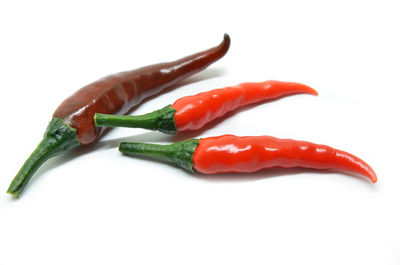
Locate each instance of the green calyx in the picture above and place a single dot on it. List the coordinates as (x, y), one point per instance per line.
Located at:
(180, 153)
(58, 138)
(162, 120)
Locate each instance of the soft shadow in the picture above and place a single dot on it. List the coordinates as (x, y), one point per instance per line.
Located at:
(57, 161)
(259, 175)
(208, 73)
(108, 144)
(277, 172)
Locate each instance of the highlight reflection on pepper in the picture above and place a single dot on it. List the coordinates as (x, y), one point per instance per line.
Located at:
(229, 153)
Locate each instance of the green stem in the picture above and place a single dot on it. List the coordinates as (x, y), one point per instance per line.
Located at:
(58, 138)
(180, 153)
(160, 120)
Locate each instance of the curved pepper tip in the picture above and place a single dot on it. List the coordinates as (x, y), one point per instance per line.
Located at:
(373, 177)
(226, 37)
(293, 87)
(310, 90)
(313, 91)
(367, 171)
(226, 42)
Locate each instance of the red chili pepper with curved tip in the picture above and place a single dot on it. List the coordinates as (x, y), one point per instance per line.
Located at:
(229, 153)
(193, 112)
(72, 124)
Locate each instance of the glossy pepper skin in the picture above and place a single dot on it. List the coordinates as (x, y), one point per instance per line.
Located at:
(72, 124)
(229, 153)
(193, 112)
(118, 93)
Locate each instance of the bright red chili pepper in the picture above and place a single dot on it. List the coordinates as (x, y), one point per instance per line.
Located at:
(229, 153)
(193, 112)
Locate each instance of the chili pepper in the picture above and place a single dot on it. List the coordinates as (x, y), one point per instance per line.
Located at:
(193, 112)
(72, 124)
(229, 153)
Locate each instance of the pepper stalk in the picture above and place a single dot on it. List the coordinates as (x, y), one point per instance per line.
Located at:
(58, 139)
(160, 120)
(180, 153)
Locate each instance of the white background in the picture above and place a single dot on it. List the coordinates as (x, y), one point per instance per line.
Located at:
(100, 207)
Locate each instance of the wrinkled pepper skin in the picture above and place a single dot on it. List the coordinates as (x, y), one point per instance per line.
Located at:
(229, 153)
(193, 112)
(118, 93)
(72, 124)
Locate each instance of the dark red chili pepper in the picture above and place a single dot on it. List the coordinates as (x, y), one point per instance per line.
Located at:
(72, 124)
(229, 153)
(193, 112)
